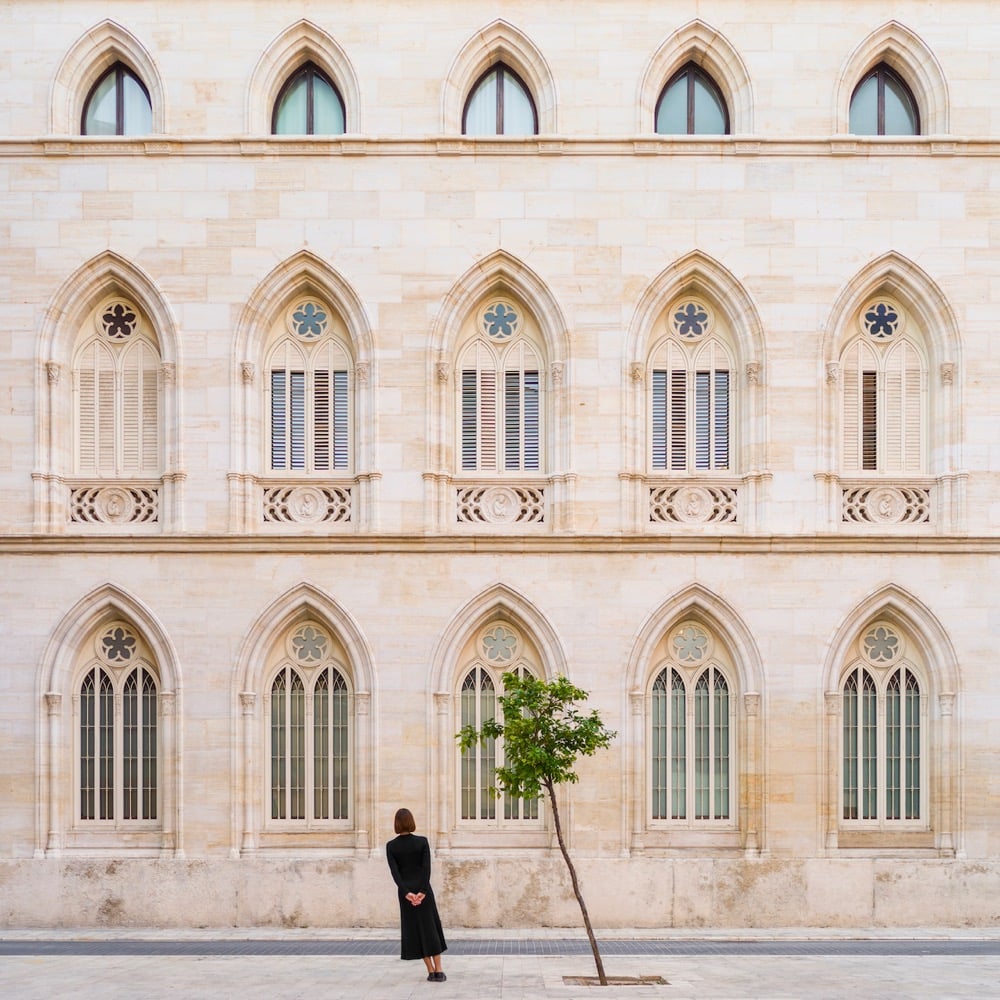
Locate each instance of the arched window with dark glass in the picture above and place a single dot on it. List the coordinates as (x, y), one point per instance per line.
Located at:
(882, 104)
(500, 104)
(118, 104)
(308, 104)
(692, 104)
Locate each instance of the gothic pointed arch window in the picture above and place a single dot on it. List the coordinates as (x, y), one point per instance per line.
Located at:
(118, 104)
(691, 372)
(117, 417)
(692, 104)
(501, 392)
(308, 389)
(309, 733)
(500, 103)
(884, 762)
(883, 104)
(884, 396)
(117, 763)
(498, 648)
(692, 763)
(308, 103)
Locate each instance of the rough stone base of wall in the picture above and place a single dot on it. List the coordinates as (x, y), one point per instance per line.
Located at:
(500, 892)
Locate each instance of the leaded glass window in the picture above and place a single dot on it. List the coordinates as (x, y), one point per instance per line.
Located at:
(501, 649)
(692, 104)
(881, 734)
(118, 760)
(882, 104)
(691, 720)
(308, 104)
(309, 734)
(500, 104)
(118, 104)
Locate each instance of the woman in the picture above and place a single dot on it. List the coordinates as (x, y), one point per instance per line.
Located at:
(409, 857)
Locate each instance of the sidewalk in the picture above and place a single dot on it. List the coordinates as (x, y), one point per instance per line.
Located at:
(496, 964)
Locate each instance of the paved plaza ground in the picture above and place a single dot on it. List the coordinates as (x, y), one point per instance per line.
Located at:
(499, 965)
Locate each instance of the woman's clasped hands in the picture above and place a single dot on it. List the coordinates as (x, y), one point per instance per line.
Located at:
(415, 898)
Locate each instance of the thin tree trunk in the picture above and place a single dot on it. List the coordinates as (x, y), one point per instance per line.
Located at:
(576, 885)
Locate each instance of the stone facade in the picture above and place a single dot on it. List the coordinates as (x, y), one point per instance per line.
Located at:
(704, 422)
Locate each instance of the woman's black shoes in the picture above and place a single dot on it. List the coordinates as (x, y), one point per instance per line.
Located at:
(436, 977)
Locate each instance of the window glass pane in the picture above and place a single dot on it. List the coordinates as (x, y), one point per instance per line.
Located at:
(900, 114)
(518, 114)
(481, 111)
(290, 118)
(138, 113)
(864, 108)
(709, 111)
(328, 113)
(100, 117)
(671, 115)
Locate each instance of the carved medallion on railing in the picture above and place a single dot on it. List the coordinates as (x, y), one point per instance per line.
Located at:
(307, 504)
(693, 504)
(500, 505)
(114, 505)
(886, 505)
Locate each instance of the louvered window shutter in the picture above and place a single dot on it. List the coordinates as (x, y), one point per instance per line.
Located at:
(721, 412)
(870, 430)
(341, 421)
(678, 419)
(532, 407)
(321, 420)
(512, 420)
(150, 418)
(279, 418)
(702, 420)
(470, 419)
(658, 425)
(488, 420)
(139, 416)
(297, 419)
(903, 410)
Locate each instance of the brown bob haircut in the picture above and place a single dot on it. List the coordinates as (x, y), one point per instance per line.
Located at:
(404, 821)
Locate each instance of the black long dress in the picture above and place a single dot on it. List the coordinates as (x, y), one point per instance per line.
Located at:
(409, 857)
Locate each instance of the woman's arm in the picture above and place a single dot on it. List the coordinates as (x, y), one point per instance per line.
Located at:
(393, 866)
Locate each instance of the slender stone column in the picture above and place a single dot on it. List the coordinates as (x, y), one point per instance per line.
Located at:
(248, 700)
(946, 840)
(833, 706)
(169, 767)
(754, 773)
(637, 704)
(363, 798)
(442, 705)
(53, 711)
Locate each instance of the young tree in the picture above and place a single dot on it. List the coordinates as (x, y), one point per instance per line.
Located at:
(543, 735)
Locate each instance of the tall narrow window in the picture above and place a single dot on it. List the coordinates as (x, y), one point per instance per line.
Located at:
(118, 753)
(500, 104)
(691, 767)
(500, 650)
(309, 390)
(884, 395)
(500, 397)
(690, 425)
(692, 104)
(881, 734)
(882, 772)
(116, 381)
(308, 104)
(118, 104)
(309, 734)
(882, 104)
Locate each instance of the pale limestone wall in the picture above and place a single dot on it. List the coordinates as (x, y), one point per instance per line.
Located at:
(791, 213)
